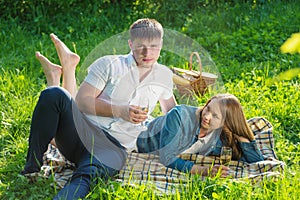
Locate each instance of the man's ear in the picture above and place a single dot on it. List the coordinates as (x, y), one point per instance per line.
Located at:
(130, 44)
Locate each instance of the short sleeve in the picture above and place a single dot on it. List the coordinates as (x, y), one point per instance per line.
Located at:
(98, 73)
(166, 80)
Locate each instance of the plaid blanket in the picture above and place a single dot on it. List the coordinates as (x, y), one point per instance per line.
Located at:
(145, 168)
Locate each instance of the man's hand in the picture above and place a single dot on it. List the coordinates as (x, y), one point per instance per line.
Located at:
(136, 114)
(133, 114)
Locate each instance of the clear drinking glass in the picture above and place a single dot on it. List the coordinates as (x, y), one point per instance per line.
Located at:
(144, 105)
(226, 155)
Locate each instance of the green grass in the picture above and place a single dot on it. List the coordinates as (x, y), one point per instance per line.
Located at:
(242, 38)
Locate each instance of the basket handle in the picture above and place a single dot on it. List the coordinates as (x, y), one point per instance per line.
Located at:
(199, 62)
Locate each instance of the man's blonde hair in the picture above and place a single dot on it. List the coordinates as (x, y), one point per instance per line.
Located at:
(146, 29)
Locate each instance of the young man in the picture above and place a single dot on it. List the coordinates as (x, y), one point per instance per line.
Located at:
(96, 132)
(114, 82)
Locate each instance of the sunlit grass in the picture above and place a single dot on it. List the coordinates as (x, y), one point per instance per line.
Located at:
(245, 47)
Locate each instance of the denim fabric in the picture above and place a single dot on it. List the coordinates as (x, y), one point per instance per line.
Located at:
(56, 116)
(86, 175)
(170, 135)
(250, 154)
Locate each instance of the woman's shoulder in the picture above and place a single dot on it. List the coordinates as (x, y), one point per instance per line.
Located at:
(183, 111)
(185, 108)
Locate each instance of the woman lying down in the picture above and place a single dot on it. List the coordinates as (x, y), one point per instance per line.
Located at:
(187, 129)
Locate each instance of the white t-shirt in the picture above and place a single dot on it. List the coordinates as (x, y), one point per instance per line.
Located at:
(117, 76)
(202, 145)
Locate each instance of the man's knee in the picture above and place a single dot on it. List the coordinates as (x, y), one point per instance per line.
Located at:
(54, 95)
(54, 92)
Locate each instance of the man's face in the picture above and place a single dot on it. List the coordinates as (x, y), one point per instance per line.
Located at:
(146, 52)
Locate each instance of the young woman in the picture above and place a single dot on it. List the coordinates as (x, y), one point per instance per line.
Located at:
(188, 129)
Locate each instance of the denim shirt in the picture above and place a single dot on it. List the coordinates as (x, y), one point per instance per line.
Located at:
(173, 133)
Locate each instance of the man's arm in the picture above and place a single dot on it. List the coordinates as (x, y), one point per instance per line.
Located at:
(88, 103)
(167, 104)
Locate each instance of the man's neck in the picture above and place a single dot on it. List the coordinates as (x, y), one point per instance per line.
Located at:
(144, 71)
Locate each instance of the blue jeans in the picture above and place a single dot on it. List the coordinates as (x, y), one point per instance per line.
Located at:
(56, 116)
(87, 174)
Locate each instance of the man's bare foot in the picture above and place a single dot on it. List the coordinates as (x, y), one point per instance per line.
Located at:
(68, 59)
(52, 71)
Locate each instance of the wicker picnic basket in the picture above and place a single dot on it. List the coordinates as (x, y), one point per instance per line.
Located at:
(189, 82)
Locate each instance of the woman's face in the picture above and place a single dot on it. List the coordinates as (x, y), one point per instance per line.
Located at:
(212, 117)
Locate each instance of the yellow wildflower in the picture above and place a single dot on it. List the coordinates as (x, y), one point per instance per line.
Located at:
(291, 45)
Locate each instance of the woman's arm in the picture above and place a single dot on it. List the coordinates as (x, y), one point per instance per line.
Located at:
(181, 165)
(250, 152)
(175, 135)
(189, 167)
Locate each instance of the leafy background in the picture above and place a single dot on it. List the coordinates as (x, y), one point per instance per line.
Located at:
(243, 38)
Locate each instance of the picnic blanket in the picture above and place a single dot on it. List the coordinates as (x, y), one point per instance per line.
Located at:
(141, 168)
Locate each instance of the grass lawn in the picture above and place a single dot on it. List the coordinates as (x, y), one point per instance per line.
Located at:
(242, 38)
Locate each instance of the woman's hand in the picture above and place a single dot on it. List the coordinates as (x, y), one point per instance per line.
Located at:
(210, 171)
